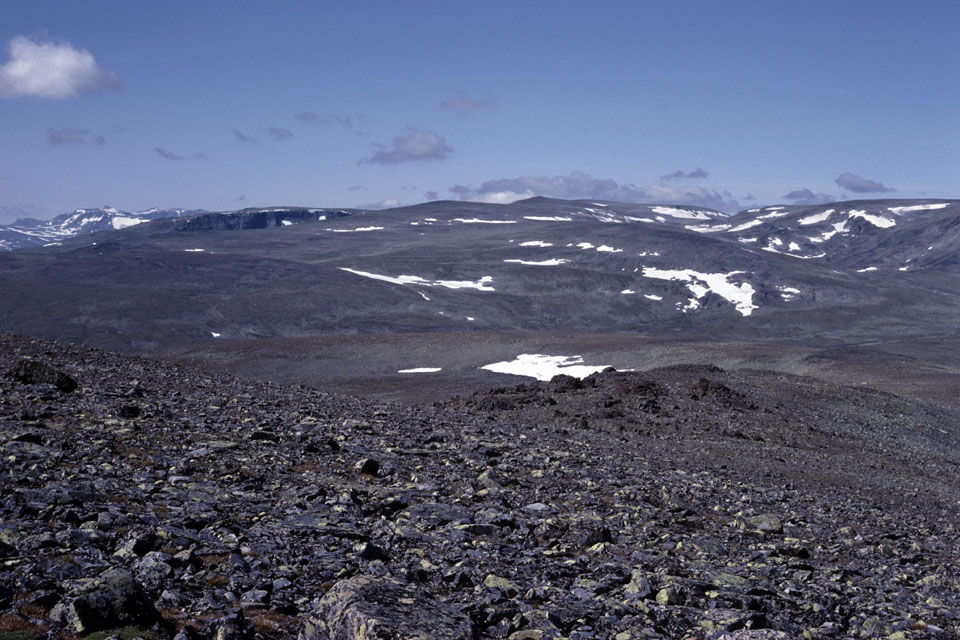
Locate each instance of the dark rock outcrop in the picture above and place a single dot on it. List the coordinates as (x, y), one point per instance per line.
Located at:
(28, 371)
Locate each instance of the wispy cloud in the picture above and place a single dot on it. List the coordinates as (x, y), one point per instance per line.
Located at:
(170, 155)
(855, 183)
(307, 117)
(579, 185)
(279, 133)
(240, 136)
(311, 118)
(411, 146)
(806, 196)
(73, 136)
(685, 175)
(462, 103)
(51, 70)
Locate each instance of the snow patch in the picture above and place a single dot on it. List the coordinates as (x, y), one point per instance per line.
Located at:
(651, 296)
(741, 295)
(286, 223)
(788, 293)
(194, 250)
(482, 221)
(544, 367)
(866, 269)
(536, 243)
(838, 227)
(548, 218)
(877, 221)
(918, 207)
(628, 292)
(605, 249)
(214, 334)
(421, 370)
(122, 222)
(823, 216)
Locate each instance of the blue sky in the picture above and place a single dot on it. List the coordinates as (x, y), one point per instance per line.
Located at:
(224, 105)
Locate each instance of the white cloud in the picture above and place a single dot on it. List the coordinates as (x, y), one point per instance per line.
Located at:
(412, 145)
(857, 184)
(51, 70)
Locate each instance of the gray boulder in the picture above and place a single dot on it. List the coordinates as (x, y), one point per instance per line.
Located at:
(370, 608)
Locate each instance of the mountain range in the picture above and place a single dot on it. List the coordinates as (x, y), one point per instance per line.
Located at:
(851, 270)
(30, 232)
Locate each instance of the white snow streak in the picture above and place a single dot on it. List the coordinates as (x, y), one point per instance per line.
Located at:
(683, 213)
(481, 221)
(194, 250)
(357, 229)
(553, 262)
(548, 218)
(706, 228)
(536, 243)
(483, 284)
(421, 370)
(746, 225)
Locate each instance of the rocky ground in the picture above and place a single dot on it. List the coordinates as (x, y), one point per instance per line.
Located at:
(142, 499)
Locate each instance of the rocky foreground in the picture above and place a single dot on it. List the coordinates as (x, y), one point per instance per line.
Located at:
(148, 500)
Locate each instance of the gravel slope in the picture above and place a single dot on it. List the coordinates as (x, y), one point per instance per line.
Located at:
(686, 502)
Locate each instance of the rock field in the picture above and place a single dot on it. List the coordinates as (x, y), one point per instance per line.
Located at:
(140, 499)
